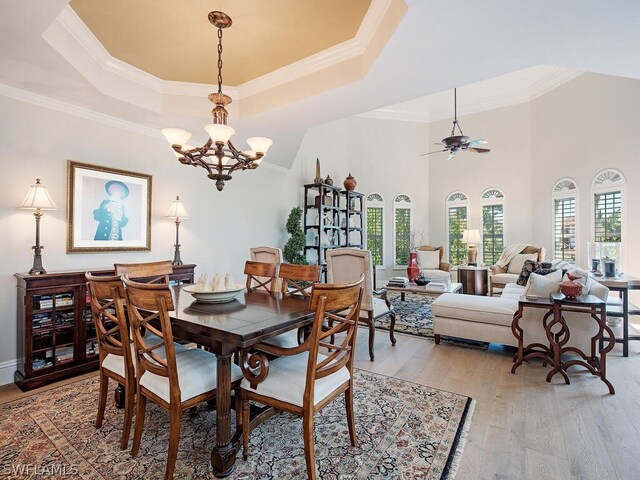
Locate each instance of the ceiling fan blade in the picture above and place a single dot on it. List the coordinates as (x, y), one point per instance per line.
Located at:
(477, 143)
(437, 151)
(451, 155)
(479, 150)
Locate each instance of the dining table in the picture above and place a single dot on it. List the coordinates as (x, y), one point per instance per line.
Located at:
(225, 329)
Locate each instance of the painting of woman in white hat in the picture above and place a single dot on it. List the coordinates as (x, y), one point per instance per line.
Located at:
(110, 215)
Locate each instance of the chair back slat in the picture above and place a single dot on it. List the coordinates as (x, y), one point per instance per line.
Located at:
(112, 329)
(298, 279)
(260, 276)
(149, 272)
(149, 306)
(337, 309)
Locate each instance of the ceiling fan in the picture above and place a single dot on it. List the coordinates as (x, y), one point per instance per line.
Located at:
(455, 143)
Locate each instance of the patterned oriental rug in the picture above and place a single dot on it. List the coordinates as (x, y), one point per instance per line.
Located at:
(413, 317)
(404, 430)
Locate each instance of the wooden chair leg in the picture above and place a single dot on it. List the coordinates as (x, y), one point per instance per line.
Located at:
(436, 338)
(102, 400)
(309, 452)
(392, 329)
(137, 433)
(372, 334)
(174, 440)
(128, 415)
(245, 426)
(348, 401)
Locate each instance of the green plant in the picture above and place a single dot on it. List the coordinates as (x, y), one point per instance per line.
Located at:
(294, 248)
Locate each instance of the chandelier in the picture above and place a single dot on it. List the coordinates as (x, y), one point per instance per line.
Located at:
(218, 156)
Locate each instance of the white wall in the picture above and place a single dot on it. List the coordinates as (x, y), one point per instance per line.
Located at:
(36, 142)
(382, 155)
(579, 129)
(507, 167)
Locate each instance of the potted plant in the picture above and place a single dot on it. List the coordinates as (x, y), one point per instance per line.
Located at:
(293, 251)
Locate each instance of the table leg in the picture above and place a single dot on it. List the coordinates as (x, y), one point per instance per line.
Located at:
(603, 352)
(517, 332)
(625, 322)
(223, 456)
(556, 344)
(119, 396)
(402, 296)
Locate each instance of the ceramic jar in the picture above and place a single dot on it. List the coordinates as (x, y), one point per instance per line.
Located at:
(350, 183)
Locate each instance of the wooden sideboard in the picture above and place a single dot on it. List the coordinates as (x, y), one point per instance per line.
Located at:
(55, 332)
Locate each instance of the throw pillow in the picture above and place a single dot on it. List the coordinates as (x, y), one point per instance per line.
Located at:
(542, 286)
(428, 260)
(516, 263)
(530, 266)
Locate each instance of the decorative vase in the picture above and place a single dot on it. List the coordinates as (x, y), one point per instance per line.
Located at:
(318, 179)
(413, 270)
(328, 180)
(571, 289)
(350, 183)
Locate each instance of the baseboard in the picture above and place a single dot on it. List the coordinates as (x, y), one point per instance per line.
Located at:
(7, 370)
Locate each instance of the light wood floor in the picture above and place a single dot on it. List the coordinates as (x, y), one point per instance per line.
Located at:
(522, 427)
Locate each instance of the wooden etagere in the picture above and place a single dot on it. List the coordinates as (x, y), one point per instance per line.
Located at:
(56, 333)
(332, 218)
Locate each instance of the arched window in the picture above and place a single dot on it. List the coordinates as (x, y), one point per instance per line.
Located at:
(401, 229)
(375, 227)
(607, 193)
(492, 203)
(457, 208)
(565, 215)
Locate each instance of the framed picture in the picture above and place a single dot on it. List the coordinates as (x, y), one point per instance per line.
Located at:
(108, 210)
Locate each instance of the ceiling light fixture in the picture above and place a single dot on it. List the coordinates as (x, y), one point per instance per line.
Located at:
(218, 156)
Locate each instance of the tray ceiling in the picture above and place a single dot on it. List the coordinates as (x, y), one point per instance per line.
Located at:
(154, 36)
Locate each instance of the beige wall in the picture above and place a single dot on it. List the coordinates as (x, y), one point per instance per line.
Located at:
(507, 167)
(36, 142)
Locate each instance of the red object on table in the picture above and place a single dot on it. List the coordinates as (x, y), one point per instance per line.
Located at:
(413, 270)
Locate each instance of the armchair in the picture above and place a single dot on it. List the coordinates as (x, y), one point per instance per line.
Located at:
(433, 268)
(503, 272)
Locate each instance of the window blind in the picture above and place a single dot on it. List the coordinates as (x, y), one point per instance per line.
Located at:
(402, 235)
(608, 216)
(492, 233)
(565, 228)
(457, 226)
(375, 234)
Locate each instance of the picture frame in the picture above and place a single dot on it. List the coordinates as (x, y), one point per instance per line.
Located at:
(108, 210)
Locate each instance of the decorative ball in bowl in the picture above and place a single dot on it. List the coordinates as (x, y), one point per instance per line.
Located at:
(571, 289)
(422, 280)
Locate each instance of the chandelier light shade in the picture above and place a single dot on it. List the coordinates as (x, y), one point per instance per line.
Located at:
(37, 199)
(217, 156)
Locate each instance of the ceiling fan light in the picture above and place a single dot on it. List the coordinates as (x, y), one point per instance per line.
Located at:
(219, 132)
(260, 144)
(176, 136)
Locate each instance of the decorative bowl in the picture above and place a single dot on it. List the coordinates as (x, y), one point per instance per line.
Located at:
(422, 281)
(222, 296)
(571, 289)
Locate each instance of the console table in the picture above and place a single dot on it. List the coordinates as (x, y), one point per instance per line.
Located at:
(55, 331)
(589, 305)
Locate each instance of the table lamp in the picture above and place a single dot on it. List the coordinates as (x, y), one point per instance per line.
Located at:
(37, 199)
(471, 237)
(178, 212)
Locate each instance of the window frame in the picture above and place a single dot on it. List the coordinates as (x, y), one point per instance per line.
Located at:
(455, 199)
(375, 204)
(605, 181)
(565, 188)
(489, 198)
(398, 206)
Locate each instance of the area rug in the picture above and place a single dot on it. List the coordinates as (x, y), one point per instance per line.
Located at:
(404, 430)
(413, 317)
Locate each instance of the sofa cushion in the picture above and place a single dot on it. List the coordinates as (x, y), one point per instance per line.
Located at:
(476, 308)
(542, 286)
(504, 278)
(530, 266)
(516, 263)
(513, 291)
(428, 259)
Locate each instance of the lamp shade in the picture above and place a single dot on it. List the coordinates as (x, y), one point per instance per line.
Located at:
(177, 210)
(38, 197)
(176, 136)
(260, 144)
(471, 236)
(219, 132)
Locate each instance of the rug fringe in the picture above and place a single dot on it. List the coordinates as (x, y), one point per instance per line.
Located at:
(455, 463)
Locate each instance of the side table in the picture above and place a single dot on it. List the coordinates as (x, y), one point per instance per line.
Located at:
(474, 280)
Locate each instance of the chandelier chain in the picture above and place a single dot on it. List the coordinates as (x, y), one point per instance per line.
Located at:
(219, 60)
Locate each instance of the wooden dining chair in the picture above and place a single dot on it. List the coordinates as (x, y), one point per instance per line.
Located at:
(267, 255)
(261, 276)
(298, 279)
(115, 359)
(177, 380)
(302, 380)
(149, 272)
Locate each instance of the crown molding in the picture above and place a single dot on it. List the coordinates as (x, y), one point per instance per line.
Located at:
(78, 45)
(539, 88)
